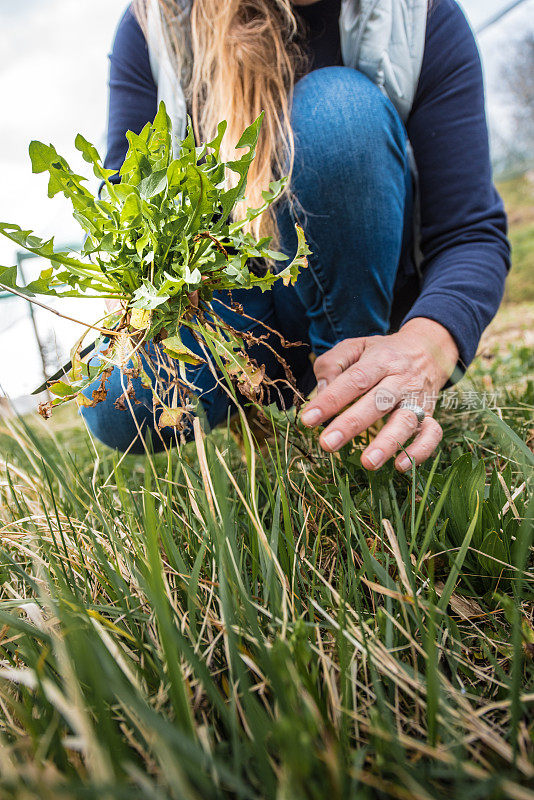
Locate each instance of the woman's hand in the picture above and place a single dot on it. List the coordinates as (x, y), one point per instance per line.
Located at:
(382, 370)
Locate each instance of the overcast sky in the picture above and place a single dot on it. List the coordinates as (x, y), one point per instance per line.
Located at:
(53, 84)
(53, 76)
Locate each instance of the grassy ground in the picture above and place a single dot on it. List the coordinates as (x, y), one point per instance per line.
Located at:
(518, 196)
(246, 621)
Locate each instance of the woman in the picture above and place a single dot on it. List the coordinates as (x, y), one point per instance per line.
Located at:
(354, 93)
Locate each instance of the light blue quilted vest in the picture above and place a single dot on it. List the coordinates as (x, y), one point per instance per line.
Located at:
(384, 39)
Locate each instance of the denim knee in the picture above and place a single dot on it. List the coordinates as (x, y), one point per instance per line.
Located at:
(349, 183)
(340, 118)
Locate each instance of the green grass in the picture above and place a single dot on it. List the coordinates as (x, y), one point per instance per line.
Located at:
(518, 196)
(258, 620)
(270, 622)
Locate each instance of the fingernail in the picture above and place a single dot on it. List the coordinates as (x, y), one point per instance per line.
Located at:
(404, 463)
(311, 416)
(333, 439)
(375, 457)
(322, 384)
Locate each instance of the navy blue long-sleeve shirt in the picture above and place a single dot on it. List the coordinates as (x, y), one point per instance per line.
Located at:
(463, 225)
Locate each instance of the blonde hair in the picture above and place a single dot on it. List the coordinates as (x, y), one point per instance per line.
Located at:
(236, 58)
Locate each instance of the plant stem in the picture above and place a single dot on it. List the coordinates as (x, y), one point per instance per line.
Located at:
(57, 313)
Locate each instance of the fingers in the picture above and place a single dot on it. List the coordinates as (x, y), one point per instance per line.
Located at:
(337, 360)
(424, 444)
(400, 427)
(354, 381)
(379, 371)
(359, 416)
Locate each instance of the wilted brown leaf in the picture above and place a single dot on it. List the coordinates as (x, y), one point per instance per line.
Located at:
(171, 418)
(121, 402)
(465, 607)
(45, 410)
(249, 377)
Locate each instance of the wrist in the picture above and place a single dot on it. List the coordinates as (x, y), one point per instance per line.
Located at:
(435, 340)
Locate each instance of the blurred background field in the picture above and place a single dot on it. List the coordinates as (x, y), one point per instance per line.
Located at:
(518, 195)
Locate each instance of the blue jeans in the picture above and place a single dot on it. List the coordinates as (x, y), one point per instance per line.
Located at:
(353, 186)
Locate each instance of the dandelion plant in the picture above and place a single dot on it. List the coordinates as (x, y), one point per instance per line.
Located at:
(160, 239)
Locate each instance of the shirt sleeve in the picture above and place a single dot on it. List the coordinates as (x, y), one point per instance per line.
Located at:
(464, 242)
(133, 95)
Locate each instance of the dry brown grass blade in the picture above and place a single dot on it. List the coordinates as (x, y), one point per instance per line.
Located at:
(192, 499)
(389, 667)
(509, 498)
(394, 544)
(204, 469)
(385, 591)
(465, 607)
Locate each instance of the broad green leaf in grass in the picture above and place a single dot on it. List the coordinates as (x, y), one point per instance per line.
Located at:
(466, 491)
(458, 560)
(513, 447)
(493, 556)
